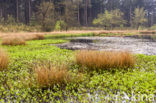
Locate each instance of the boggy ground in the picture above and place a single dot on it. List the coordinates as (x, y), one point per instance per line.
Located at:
(18, 83)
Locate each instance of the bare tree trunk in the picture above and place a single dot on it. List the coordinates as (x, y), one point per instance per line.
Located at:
(100, 8)
(29, 5)
(27, 11)
(90, 13)
(78, 14)
(111, 5)
(0, 12)
(130, 16)
(17, 11)
(86, 12)
(130, 13)
(1, 15)
(152, 16)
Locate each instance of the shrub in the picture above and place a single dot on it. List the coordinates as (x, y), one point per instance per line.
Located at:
(9, 21)
(148, 32)
(105, 59)
(31, 36)
(39, 36)
(3, 59)
(46, 15)
(28, 37)
(18, 28)
(48, 76)
(153, 27)
(110, 19)
(60, 25)
(13, 41)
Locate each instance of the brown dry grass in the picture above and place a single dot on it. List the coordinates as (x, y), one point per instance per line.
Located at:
(3, 34)
(20, 39)
(39, 36)
(96, 32)
(13, 41)
(148, 32)
(32, 37)
(105, 59)
(48, 76)
(4, 59)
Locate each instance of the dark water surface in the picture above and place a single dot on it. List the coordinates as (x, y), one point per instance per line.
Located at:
(139, 44)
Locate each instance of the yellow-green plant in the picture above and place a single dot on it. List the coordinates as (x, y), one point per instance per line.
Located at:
(4, 59)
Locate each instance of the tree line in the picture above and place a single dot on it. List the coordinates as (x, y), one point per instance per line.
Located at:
(63, 14)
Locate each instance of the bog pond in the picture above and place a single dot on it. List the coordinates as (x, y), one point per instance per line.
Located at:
(138, 44)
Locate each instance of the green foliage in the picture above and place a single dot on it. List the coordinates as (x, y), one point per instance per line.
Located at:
(70, 13)
(60, 25)
(18, 84)
(2, 22)
(110, 19)
(153, 27)
(33, 21)
(103, 19)
(139, 18)
(45, 15)
(81, 11)
(10, 25)
(18, 28)
(117, 18)
(9, 21)
(58, 36)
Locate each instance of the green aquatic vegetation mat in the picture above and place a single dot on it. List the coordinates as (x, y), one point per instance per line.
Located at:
(55, 36)
(19, 85)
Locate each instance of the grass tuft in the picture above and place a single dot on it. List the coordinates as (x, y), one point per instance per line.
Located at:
(32, 37)
(4, 60)
(105, 59)
(13, 41)
(39, 36)
(48, 76)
